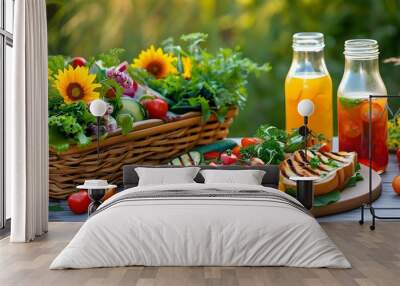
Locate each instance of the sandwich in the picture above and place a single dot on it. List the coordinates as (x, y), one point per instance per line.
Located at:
(334, 169)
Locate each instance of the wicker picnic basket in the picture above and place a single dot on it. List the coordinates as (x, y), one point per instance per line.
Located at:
(151, 142)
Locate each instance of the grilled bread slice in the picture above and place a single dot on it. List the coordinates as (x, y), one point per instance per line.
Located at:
(333, 168)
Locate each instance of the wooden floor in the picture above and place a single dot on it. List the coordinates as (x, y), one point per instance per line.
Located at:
(375, 257)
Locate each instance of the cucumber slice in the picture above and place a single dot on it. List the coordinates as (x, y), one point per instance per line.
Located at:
(219, 146)
(197, 157)
(176, 162)
(192, 158)
(132, 107)
(186, 160)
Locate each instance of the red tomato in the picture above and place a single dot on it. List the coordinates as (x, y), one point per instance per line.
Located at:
(398, 155)
(351, 129)
(110, 93)
(377, 112)
(79, 202)
(78, 62)
(396, 184)
(250, 141)
(236, 150)
(228, 159)
(211, 155)
(157, 108)
(325, 148)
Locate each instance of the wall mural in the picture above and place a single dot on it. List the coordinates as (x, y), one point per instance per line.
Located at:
(175, 101)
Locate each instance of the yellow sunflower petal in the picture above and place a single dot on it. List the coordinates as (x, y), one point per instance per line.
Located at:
(76, 84)
(155, 61)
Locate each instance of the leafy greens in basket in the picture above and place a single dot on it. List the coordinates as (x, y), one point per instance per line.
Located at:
(186, 77)
(215, 81)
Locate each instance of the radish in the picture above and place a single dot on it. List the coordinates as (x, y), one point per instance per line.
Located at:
(228, 159)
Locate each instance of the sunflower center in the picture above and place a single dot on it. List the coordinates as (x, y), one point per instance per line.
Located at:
(155, 68)
(75, 91)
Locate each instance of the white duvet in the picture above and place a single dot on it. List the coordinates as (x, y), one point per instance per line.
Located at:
(202, 231)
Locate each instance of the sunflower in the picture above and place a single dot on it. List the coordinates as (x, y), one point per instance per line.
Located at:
(155, 62)
(76, 84)
(187, 67)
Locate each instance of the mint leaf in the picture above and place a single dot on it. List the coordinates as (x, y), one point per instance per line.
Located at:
(346, 102)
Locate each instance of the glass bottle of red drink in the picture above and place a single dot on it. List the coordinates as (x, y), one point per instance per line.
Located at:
(361, 79)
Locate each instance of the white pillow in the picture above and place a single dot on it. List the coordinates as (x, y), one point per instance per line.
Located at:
(248, 177)
(164, 176)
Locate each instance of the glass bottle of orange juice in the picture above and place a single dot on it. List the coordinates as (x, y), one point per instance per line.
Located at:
(308, 78)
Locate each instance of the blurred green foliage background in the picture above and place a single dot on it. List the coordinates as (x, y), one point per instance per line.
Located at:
(262, 28)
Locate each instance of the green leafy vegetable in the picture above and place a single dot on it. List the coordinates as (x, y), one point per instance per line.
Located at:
(111, 58)
(55, 63)
(58, 141)
(204, 105)
(271, 152)
(353, 180)
(327, 199)
(294, 142)
(314, 162)
(217, 80)
(332, 163)
(268, 132)
(319, 201)
(125, 121)
(346, 102)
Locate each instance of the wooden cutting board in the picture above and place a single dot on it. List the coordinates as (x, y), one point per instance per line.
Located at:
(354, 197)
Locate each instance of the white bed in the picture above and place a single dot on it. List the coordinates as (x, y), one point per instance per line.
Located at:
(267, 229)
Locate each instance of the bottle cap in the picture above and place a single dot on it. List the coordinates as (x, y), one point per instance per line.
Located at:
(308, 41)
(361, 49)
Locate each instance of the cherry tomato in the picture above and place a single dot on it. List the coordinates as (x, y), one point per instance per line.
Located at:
(377, 112)
(212, 155)
(351, 129)
(79, 202)
(78, 62)
(228, 159)
(396, 185)
(236, 150)
(250, 141)
(157, 108)
(324, 148)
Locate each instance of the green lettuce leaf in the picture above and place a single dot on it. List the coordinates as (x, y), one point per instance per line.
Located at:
(327, 199)
(57, 140)
(125, 121)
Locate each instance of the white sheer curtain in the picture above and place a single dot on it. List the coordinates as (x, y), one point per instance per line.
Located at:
(26, 124)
